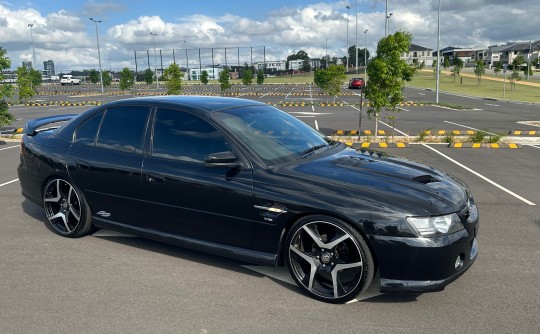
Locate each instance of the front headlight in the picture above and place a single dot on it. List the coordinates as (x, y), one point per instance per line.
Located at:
(428, 226)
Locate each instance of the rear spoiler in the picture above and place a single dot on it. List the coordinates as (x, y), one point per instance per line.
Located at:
(32, 127)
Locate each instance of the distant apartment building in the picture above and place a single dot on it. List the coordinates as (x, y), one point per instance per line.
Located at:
(272, 66)
(27, 64)
(213, 72)
(48, 68)
(418, 54)
(298, 64)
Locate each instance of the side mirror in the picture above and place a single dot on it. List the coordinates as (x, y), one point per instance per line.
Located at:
(221, 159)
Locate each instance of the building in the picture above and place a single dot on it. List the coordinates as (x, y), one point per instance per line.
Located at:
(27, 64)
(298, 64)
(213, 72)
(48, 68)
(272, 66)
(418, 54)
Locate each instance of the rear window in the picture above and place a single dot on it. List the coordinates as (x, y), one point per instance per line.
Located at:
(122, 128)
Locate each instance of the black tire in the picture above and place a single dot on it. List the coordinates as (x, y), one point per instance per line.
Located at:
(328, 259)
(66, 209)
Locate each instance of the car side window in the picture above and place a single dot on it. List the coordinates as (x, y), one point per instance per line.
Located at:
(87, 131)
(183, 136)
(122, 128)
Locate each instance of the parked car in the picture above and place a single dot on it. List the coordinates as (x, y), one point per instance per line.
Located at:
(358, 83)
(242, 179)
(68, 79)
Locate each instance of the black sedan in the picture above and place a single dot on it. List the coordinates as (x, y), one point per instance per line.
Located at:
(243, 179)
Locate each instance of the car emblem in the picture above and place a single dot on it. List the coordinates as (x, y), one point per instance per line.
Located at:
(103, 214)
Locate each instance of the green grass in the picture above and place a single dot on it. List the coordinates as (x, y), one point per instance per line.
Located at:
(486, 89)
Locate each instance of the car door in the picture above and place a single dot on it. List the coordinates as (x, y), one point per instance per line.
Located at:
(105, 162)
(185, 198)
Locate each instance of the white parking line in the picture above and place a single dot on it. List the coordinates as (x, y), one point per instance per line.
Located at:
(481, 176)
(9, 182)
(7, 148)
(493, 105)
(468, 127)
(538, 147)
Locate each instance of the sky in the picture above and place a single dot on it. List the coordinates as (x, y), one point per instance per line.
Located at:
(270, 29)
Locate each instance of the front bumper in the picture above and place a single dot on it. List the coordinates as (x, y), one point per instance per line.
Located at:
(424, 264)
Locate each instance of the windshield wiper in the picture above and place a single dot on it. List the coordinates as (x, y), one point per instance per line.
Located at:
(310, 150)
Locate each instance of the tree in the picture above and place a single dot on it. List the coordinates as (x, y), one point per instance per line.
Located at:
(223, 80)
(387, 73)
(148, 76)
(126, 79)
(247, 78)
(528, 69)
(361, 53)
(479, 69)
(5, 90)
(36, 78)
(24, 83)
(458, 65)
(204, 77)
(295, 56)
(446, 62)
(173, 76)
(498, 67)
(514, 77)
(107, 79)
(260, 77)
(330, 79)
(306, 65)
(434, 66)
(93, 76)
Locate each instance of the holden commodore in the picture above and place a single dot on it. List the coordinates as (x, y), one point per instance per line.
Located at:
(245, 180)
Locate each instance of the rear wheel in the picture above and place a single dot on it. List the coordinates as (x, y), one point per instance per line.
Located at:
(328, 258)
(67, 212)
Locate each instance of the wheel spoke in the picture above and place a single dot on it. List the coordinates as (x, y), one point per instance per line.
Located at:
(75, 213)
(64, 220)
(317, 239)
(338, 268)
(58, 196)
(313, 264)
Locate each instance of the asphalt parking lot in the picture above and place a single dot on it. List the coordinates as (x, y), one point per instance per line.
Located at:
(114, 283)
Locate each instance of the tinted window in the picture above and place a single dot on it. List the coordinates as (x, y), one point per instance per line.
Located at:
(87, 131)
(122, 128)
(180, 135)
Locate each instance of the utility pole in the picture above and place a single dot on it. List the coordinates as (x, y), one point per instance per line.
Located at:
(356, 45)
(347, 48)
(438, 51)
(34, 66)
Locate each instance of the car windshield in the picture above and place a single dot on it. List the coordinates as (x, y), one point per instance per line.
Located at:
(275, 136)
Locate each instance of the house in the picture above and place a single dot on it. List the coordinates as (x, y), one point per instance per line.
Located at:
(272, 66)
(298, 64)
(418, 54)
(507, 53)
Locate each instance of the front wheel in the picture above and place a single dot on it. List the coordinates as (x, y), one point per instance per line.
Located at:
(328, 259)
(67, 212)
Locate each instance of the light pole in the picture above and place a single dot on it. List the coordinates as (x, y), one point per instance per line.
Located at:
(387, 25)
(365, 50)
(356, 45)
(155, 59)
(386, 19)
(187, 62)
(30, 25)
(98, 53)
(326, 54)
(347, 49)
(438, 52)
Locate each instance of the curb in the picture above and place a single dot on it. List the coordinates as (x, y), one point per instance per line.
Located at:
(377, 145)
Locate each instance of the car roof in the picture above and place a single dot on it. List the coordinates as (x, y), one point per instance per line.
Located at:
(201, 103)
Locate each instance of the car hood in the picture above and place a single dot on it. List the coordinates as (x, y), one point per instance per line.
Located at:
(410, 186)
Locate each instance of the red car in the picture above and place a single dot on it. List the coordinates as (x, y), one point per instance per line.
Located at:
(357, 83)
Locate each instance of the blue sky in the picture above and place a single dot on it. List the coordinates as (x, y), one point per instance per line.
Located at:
(63, 33)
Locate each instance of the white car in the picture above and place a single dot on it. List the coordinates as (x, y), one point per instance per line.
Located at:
(69, 80)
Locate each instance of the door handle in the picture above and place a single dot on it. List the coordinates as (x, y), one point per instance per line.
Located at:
(155, 178)
(82, 165)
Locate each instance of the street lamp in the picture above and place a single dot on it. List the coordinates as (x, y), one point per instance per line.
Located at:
(365, 49)
(98, 52)
(30, 25)
(155, 59)
(386, 18)
(347, 49)
(387, 25)
(356, 45)
(326, 54)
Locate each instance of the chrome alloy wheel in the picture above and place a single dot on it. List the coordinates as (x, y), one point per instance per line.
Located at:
(62, 206)
(326, 260)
